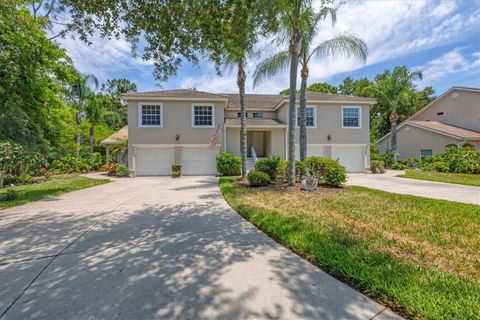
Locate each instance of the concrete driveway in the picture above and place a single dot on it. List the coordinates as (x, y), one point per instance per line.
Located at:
(146, 248)
(428, 189)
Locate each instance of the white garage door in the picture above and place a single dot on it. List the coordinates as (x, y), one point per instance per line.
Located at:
(199, 160)
(349, 157)
(154, 161)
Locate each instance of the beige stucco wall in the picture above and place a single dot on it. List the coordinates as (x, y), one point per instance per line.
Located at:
(276, 139)
(410, 141)
(177, 119)
(329, 122)
(462, 111)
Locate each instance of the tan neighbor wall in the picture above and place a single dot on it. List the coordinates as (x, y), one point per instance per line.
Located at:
(177, 119)
(410, 141)
(462, 111)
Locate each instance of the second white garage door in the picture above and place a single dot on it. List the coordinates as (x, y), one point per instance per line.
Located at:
(154, 161)
(349, 157)
(199, 160)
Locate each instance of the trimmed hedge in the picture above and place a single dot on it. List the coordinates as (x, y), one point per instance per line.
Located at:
(228, 164)
(258, 178)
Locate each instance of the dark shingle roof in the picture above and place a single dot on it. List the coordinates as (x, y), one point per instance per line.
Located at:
(176, 93)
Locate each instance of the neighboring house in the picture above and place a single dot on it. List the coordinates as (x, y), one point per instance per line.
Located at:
(176, 126)
(451, 119)
(116, 146)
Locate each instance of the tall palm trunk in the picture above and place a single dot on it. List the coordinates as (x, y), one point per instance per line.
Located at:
(78, 123)
(393, 127)
(303, 110)
(243, 120)
(294, 52)
(92, 133)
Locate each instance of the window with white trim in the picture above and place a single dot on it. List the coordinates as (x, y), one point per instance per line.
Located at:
(150, 115)
(425, 153)
(239, 115)
(309, 115)
(351, 117)
(202, 115)
(258, 114)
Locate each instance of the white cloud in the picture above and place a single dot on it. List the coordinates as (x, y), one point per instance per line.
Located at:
(448, 64)
(391, 29)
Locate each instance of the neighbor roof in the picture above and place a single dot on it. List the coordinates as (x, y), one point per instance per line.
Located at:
(176, 93)
(446, 128)
(118, 137)
(256, 122)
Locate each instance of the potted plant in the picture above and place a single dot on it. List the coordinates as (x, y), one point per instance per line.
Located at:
(176, 170)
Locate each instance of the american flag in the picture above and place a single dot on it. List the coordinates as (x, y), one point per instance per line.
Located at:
(214, 139)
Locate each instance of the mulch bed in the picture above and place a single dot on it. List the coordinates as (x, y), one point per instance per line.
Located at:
(283, 186)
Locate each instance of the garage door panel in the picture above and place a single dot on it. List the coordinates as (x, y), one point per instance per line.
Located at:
(199, 160)
(154, 161)
(349, 157)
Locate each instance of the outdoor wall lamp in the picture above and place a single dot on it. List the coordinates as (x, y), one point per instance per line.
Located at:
(329, 137)
(177, 137)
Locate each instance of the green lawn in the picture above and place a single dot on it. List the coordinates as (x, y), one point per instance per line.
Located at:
(419, 256)
(54, 186)
(458, 178)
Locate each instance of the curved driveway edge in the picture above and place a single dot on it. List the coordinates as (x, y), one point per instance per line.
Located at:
(422, 188)
(158, 247)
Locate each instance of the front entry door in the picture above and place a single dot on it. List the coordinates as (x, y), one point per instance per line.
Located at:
(258, 143)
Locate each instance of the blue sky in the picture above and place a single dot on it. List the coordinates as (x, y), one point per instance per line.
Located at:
(439, 37)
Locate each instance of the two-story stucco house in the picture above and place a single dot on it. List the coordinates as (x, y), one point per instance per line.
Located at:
(451, 119)
(176, 126)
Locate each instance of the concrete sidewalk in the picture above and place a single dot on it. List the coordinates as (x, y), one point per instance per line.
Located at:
(162, 248)
(428, 189)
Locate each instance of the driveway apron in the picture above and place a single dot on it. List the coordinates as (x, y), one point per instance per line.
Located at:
(161, 248)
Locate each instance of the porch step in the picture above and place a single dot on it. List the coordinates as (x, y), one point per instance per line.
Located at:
(250, 164)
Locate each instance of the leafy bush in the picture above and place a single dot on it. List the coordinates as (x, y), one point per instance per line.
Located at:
(107, 166)
(176, 170)
(14, 160)
(387, 158)
(122, 171)
(228, 164)
(269, 166)
(258, 178)
(456, 160)
(282, 169)
(326, 170)
(398, 166)
(335, 175)
(410, 162)
(377, 166)
(300, 169)
(97, 160)
(71, 164)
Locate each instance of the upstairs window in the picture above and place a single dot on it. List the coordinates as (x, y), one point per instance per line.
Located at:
(150, 115)
(309, 114)
(351, 117)
(203, 116)
(239, 115)
(258, 114)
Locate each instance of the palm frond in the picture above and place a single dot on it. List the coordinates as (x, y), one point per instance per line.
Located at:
(271, 66)
(324, 12)
(347, 44)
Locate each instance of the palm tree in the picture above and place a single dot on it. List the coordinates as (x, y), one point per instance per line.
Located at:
(80, 90)
(392, 90)
(94, 113)
(347, 44)
(240, 35)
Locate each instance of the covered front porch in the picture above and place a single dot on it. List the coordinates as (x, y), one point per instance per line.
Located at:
(264, 138)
